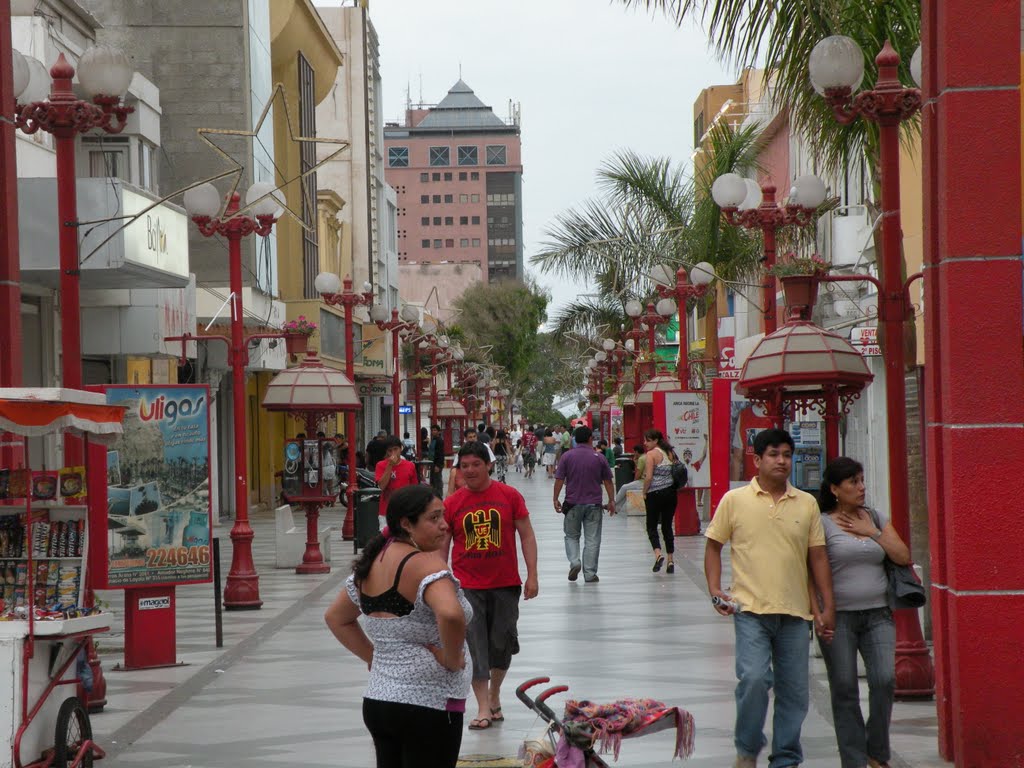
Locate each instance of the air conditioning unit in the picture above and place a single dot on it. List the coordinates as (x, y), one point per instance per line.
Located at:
(851, 241)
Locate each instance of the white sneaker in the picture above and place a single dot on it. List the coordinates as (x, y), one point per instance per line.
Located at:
(745, 762)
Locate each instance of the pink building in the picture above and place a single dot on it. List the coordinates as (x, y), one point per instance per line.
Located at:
(458, 172)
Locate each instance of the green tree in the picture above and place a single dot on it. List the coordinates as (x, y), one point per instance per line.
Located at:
(503, 320)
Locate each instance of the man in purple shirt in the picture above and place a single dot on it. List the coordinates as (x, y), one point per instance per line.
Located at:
(583, 472)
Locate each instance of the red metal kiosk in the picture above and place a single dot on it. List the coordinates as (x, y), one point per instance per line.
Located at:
(39, 646)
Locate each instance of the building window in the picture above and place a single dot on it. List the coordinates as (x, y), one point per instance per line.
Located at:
(424, 177)
(468, 156)
(449, 198)
(436, 198)
(147, 167)
(425, 243)
(307, 181)
(398, 157)
(109, 159)
(464, 242)
(437, 243)
(474, 198)
(424, 199)
(449, 221)
(425, 221)
(440, 156)
(474, 176)
(476, 219)
(437, 221)
(436, 176)
(448, 177)
(449, 243)
(463, 176)
(463, 198)
(496, 155)
(463, 219)
(476, 242)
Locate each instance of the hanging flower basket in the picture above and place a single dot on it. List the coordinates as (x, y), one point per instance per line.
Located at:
(296, 343)
(801, 292)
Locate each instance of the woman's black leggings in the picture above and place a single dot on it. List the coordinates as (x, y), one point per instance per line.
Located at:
(408, 736)
(661, 509)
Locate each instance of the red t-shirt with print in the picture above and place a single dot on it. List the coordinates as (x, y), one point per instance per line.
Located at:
(483, 529)
(403, 474)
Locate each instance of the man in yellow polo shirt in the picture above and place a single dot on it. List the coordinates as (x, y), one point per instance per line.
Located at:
(776, 537)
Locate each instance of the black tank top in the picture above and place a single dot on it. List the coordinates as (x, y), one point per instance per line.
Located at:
(390, 601)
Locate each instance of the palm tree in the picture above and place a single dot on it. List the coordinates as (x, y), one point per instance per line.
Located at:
(782, 33)
(651, 213)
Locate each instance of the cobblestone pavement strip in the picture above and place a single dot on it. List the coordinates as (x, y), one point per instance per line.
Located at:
(283, 692)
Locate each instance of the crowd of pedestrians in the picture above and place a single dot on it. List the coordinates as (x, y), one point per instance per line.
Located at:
(439, 589)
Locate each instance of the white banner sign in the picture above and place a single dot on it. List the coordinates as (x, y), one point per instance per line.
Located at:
(686, 419)
(865, 339)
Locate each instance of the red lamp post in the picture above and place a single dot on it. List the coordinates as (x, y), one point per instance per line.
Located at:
(328, 285)
(681, 292)
(836, 68)
(105, 73)
(379, 315)
(746, 204)
(242, 591)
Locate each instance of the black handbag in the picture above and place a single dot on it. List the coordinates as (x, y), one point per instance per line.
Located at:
(904, 590)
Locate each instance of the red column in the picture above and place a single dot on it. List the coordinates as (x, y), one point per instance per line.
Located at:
(396, 381)
(348, 525)
(974, 307)
(10, 268)
(242, 591)
(768, 286)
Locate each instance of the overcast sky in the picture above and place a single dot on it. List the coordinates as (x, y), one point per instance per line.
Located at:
(591, 77)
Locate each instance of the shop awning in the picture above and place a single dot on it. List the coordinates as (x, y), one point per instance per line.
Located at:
(37, 412)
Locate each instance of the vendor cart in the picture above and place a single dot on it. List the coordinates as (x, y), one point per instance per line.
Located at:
(44, 623)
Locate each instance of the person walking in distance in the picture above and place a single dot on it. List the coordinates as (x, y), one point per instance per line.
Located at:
(484, 517)
(777, 545)
(393, 472)
(583, 471)
(437, 457)
(529, 453)
(659, 497)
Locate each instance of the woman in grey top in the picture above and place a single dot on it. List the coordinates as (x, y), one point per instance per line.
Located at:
(858, 540)
(412, 636)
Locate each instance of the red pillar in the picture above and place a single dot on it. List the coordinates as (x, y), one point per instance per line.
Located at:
(242, 590)
(975, 443)
(10, 268)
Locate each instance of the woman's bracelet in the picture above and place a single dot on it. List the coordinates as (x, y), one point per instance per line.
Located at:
(876, 535)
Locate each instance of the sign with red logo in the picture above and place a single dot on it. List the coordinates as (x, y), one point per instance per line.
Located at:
(684, 418)
(864, 338)
(727, 349)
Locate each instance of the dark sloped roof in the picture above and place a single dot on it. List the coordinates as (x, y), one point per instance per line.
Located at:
(460, 109)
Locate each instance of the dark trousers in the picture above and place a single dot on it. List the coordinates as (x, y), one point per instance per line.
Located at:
(436, 479)
(408, 736)
(661, 509)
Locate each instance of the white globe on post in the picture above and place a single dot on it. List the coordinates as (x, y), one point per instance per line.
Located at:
(203, 201)
(428, 325)
(729, 190)
(38, 88)
(443, 342)
(422, 344)
(666, 307)
(379, 313)
(808, 191)
(754, 195)
(634, 308)
(630, 345)
(104, 71)
(663, 274)
(702, 273)
(601, 356)
(21, 74)
(367, 286)
(458, 354)
(327, 282)
(265, 199)
(410, 314)
(915, 67)
(836, 62)
(608, 344)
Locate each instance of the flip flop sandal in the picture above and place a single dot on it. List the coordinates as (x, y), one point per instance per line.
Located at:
(478, 724)
(496, 715)
(658, 563)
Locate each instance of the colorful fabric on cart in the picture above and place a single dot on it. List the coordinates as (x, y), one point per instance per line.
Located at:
(606, 725)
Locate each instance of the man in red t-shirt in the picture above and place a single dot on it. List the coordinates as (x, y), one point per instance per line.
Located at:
(529, 452)
(484, 517)
(393, 471)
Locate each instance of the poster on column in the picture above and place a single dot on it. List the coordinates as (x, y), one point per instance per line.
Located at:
(158, 508)
(688, 429)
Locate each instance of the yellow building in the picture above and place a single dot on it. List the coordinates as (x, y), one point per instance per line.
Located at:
(305, 60)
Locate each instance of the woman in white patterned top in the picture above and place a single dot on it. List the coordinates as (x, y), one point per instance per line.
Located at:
(412, 635)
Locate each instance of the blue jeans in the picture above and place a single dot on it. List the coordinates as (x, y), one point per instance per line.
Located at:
(771, 652)
(585, 518)
(873, 633)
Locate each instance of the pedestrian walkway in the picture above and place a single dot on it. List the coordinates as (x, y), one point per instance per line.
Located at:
(283, 692)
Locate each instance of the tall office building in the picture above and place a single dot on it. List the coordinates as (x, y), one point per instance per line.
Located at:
(457, 169)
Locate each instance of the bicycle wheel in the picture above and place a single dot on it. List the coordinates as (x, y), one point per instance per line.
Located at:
(73, 728)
